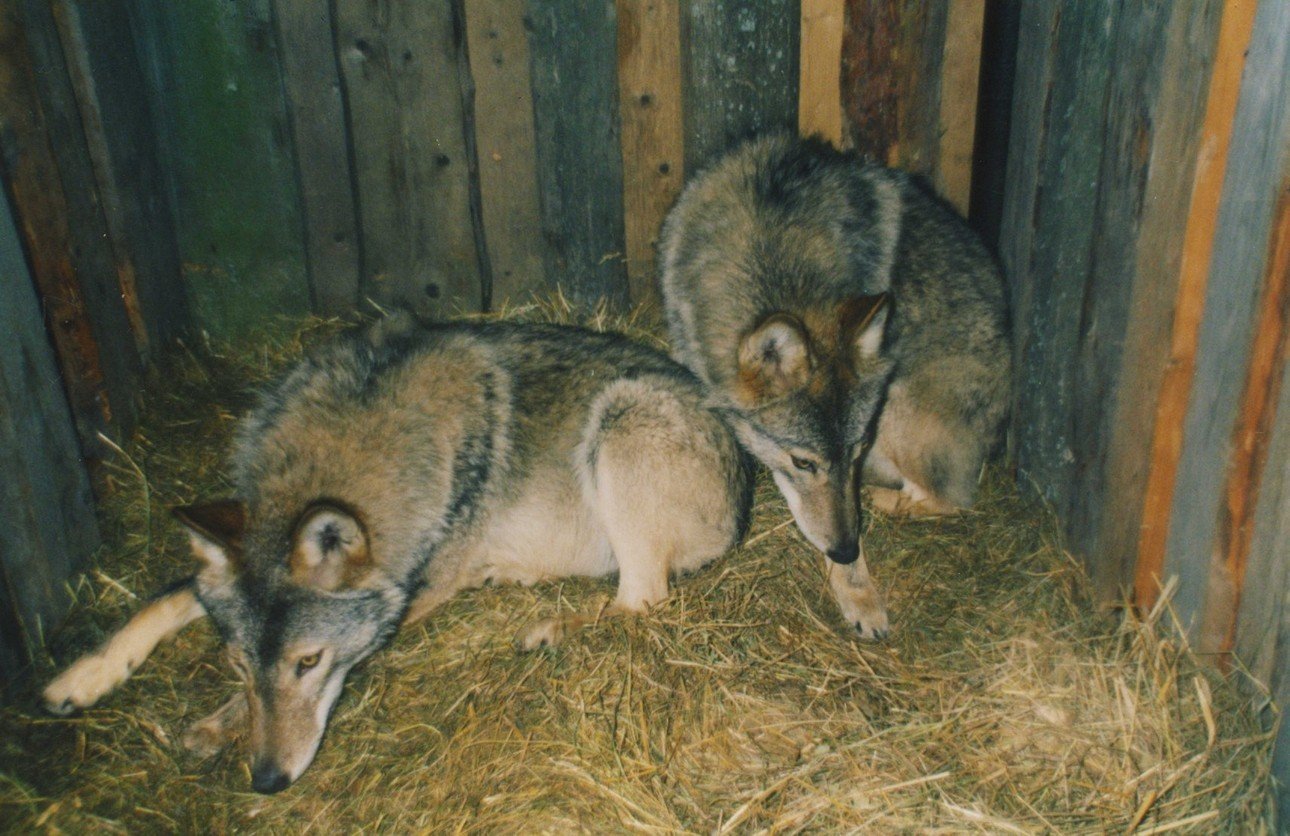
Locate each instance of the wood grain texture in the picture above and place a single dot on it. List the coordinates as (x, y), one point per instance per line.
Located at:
(573, 46)
(819, 109)
(649, 90)
(1255, 424)
(1048, 328)
(214, 87)
(959, 85)
(400, 66)
(741, 70)
(316, 110)
(1241, 275)
(117, 122)
(34, 182)
(512, 216)
(1235, 29)
(47, 524)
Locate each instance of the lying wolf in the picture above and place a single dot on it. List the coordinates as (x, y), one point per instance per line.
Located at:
(846, 323)
(388, 471)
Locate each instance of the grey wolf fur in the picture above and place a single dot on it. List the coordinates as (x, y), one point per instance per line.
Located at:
(391, 470)
(844, 320)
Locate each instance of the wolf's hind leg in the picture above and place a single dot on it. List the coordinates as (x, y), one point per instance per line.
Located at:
(97, 673)
(860, 601)
(666, 482)
(209, 735)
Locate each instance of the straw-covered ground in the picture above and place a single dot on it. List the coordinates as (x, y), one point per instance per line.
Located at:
(1002, 702)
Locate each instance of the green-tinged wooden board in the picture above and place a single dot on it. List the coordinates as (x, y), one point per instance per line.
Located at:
(498, 44)
(741, 73)
(47, 525)
(400, 63)
(573, 46)
(312, 82)
(216, 96)
(119, 130)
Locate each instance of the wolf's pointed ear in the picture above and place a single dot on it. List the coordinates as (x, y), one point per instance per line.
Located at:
(329, 549)
(862, 320)
(774, 359)
(215, 530)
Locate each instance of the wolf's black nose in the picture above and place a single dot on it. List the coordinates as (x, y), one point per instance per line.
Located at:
(845, 553)
(268, 779)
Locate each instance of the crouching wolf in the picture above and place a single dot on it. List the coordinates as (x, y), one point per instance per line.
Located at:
(850, 327)
(392, 469)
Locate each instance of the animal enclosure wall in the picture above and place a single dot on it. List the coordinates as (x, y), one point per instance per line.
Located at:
(206, 166)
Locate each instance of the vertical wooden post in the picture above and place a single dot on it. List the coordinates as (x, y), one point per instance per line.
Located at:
(47, 525)
(1234, 34)
(316, 110)
(579, 150)
(819, 109)
(512, 216)
(649, 90)
(741, 70)
(401, 75)
(959, 82)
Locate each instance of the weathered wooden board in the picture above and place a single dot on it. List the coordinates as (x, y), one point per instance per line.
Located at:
(312, 82)
(819, 109)
(94, 383)
(1263, 629)
(649, 89)
(400, 63)
(959, 84)
(573, 46)
(999, 46)
(1205, 547)
(741, 70)
(1135, 109)
(215, 92)
(47, 525)
(1201, 227)
(910, 80)
(1167, 135)
(498, 46)
(1057, 261)
(117, 121)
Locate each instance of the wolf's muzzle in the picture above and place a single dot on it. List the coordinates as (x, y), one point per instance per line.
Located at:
(267, 778)
(845, 553)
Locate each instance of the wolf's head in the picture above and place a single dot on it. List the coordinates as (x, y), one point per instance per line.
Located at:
(804, 403)
(297, 606)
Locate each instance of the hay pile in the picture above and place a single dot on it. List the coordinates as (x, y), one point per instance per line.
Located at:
(1001, 703)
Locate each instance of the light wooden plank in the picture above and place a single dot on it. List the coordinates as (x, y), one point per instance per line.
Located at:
(959, 85)
(400, 67)
(820, 98)
(649, 90)
(504, 131)
(312, 82)
(1235, 30)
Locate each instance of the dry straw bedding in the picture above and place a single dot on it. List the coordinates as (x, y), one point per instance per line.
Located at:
(1001, 703)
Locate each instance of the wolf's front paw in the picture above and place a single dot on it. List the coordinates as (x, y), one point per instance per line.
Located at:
(545, 633)
(84, 683)
(863, 609)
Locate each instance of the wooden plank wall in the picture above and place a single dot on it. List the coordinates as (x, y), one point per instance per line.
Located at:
(47, 524)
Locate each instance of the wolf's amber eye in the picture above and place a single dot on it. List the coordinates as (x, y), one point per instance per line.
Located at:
(307, 663)
(803, 464)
